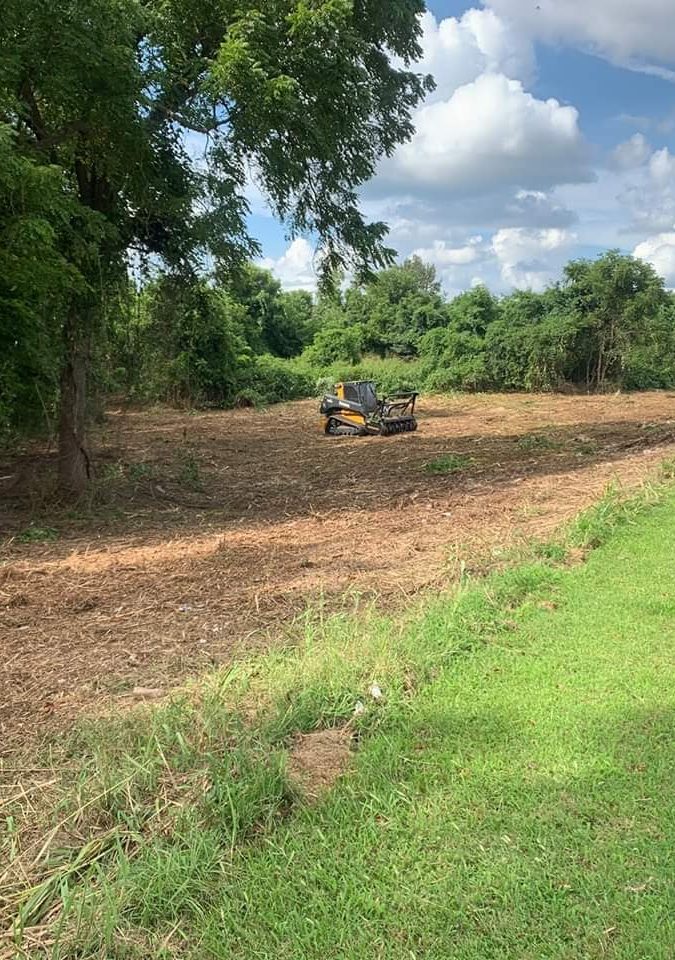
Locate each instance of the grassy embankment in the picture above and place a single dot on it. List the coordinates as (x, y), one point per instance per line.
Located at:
(512, 794)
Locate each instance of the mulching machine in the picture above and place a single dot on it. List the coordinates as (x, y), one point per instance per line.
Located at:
(355, 410)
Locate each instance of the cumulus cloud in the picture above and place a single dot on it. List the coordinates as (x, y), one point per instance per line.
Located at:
(660, 252)
(294, 268)
(443, 255)
(486, 159)
(491, 132)
(636, 33)
(662, 167)
(458, 50)
(455, 263)
(481, 128)
(511, 257)
(530, 259)
(631, 154)
(651, 196)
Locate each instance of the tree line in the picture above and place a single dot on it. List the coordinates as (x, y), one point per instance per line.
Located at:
(607, 323)
(237, 338)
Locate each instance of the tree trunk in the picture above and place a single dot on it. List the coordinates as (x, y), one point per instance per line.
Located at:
(599, 370)
(74, 466)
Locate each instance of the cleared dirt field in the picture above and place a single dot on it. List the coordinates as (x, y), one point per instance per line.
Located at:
(209, 532)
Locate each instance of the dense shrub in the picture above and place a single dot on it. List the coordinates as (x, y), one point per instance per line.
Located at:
(390, 375)
(273, 380)
(397, 308)
(185, 344)
(337, 342)
(646, 368)
(533, 355)
(455, 360)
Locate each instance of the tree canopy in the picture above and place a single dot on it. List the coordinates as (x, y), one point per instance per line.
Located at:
(397, 308)
(149, 118)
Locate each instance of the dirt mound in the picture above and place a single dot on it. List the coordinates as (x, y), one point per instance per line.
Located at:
(318, 759)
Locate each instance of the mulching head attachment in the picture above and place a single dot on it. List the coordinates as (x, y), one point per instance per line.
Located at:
(397, 414)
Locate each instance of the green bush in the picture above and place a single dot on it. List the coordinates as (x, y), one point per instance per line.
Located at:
(335, 343)
(646, 368)
(442, 381)
(390, 375)
(467, 373)
(273, 380)
(454, 360)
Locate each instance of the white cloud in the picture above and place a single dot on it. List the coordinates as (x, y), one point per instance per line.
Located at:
(486, 154)
(530, 259)
(491, 133)
(662, 167)
(295, 268)
(660, 252)
(636, 33)
(651, 195)
(487, 157)
(455, 263)
(511, 257)
(631, 154)
(442, 255)
(458, 50)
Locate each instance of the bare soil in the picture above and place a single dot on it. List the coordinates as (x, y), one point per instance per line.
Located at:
(206, 533)
(319, 759)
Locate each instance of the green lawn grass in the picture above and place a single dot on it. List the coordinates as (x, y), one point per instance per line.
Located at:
(521, 806)
(519, 802)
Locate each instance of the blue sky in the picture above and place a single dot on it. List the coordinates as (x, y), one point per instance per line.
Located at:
(551, 135)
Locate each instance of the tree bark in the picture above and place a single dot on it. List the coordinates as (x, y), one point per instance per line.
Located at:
(74, 464)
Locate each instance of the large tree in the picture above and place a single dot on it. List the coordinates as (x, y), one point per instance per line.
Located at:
(397, 307)
(35, 283)
(154, 114)
(616, 299)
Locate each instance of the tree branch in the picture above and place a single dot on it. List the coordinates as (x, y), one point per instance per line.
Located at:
(34, 116)
(44, 138)
(175, 115)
